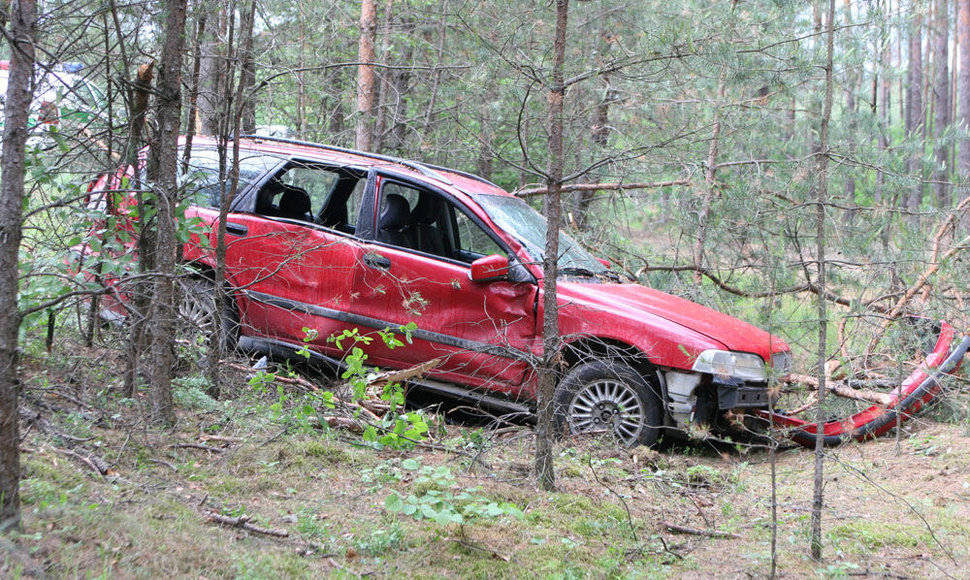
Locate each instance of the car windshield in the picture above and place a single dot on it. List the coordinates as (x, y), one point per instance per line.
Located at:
(529, 227)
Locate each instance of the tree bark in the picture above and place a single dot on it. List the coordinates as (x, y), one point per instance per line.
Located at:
(213, 72)
(963, 105)
(141, 291)
(710, 183)
(548, 370)
(245, 96)
(941, 94)
(820, 184)
(22, 22)
(163, 169)
(915, 115)
(365, 75)
(243, 100)
(193, 124)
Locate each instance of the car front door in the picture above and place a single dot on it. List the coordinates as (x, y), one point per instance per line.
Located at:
(416, 269)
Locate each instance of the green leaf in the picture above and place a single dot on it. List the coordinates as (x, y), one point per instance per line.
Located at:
(394, 503)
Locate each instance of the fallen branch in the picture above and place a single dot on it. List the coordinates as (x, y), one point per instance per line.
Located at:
(489, 551)
(165, 463)
(296, 381)
(618, 186)
(343, 423)
(403, 374)
(695, 532)
(244, 523)
(922, 281)
(843, 390)
(197, 446)
(221, 438)
(96, 464)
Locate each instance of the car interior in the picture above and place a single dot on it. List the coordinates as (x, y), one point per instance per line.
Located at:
(314, 194)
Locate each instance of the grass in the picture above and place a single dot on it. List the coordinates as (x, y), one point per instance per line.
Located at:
(327, 490)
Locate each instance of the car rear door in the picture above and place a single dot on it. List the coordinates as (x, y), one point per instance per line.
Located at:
(292, 274)
(287, 271)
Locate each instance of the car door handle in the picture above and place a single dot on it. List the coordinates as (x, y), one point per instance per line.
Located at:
(377, 261)
(236, 229)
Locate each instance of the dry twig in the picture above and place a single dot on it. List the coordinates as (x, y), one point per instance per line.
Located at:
(695, 532)
(244, 523)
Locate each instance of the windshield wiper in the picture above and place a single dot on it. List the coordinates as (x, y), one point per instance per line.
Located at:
(577, 271)
(586, 272)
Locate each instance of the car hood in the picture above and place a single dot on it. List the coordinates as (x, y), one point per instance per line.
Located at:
(646, 305)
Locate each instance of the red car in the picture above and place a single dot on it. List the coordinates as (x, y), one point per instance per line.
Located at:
(330, 239)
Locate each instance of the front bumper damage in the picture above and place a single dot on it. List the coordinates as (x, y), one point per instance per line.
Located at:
(917, 391)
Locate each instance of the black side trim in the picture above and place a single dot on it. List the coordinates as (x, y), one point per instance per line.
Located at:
(376, 324)
(471, 396)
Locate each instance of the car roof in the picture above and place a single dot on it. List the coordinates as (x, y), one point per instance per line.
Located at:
(467, 183)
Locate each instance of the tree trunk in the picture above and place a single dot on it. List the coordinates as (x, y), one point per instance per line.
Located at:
(365, 75)
(245, 96)
(915, 116)
(851, 106)
(820, 184)
(193, 124)
(548, 370)
(213, 72)
(963, 106)
(141, 292)
(22, 21)
(164, 168)
(243, 100)
(301, 117)
(710, 184)
(400, 90)
(599, 135)
(486, 155)
(941, 93)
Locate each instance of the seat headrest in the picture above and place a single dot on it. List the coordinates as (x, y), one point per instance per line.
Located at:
(426, 212)
(396, 212)
(295, 202)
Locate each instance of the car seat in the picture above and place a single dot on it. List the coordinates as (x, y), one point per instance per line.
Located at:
(295, 204)
(426, 236)
(395, 216)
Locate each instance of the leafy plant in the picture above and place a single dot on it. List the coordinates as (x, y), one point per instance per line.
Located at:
(437, 499)
(395, 430)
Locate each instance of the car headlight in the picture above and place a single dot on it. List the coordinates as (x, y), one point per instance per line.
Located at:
(736, 365)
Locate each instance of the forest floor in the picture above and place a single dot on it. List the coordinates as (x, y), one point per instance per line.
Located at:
(241, 490)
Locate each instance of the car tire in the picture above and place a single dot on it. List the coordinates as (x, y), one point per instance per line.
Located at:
(597, 395)
(197, 311)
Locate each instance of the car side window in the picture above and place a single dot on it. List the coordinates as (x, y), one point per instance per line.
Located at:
(314, 193)
(201, 184)
(315, 180)
(424, 221)
(352, 205)
(473, 242)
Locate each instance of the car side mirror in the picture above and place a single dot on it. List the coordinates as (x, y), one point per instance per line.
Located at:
(493, 267)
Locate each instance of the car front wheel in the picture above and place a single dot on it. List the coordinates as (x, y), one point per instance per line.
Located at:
(199, 318)
(604, 396)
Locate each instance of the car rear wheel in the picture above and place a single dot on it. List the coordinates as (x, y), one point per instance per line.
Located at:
(199, 321)
(610, 397)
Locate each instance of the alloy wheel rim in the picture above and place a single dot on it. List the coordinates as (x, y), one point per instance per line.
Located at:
(198, 314)
(607, 404)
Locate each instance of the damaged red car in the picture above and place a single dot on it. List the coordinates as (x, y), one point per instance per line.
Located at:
(329, 239)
